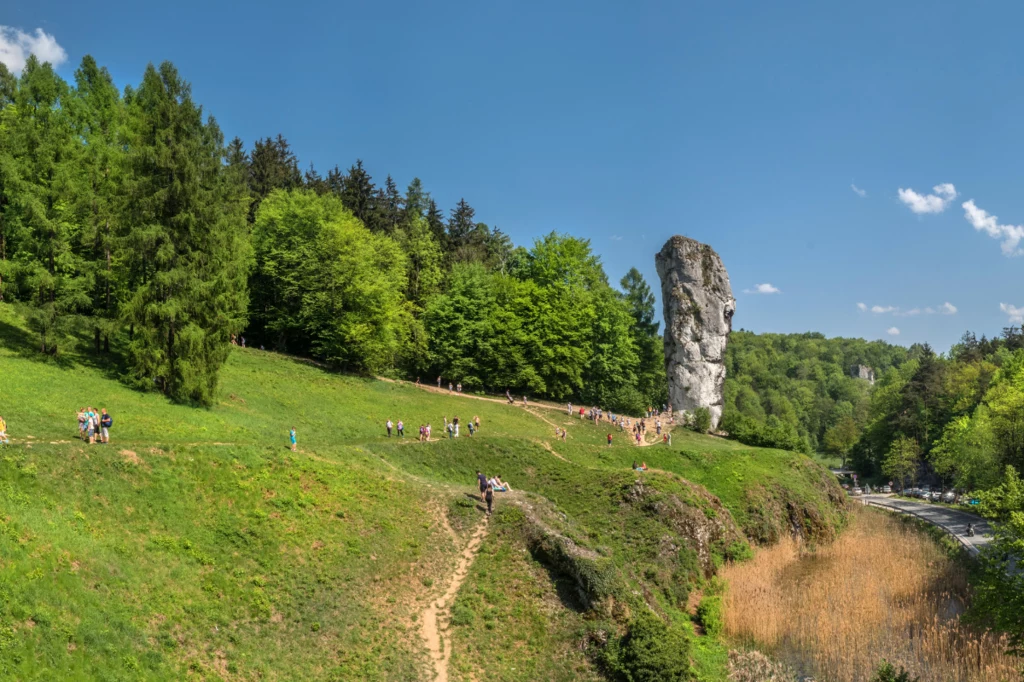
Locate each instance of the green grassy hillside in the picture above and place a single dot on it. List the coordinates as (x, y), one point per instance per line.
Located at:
(197, 545)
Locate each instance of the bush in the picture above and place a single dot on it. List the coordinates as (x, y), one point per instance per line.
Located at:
(650, 652)
(710, 616)
(887, 673)
(700, 421)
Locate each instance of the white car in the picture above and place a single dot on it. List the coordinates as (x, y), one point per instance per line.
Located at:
(886, 489)
(856, 491)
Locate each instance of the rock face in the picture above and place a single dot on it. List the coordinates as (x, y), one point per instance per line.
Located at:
(699, 306)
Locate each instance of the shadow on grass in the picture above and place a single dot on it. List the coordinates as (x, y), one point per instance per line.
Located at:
(25, 345)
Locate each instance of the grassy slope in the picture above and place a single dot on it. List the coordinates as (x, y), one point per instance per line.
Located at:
(197, 543)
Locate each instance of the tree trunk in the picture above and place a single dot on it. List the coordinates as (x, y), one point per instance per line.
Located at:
(97, 339)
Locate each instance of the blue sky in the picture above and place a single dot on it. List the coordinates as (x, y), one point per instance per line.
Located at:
(745, 125)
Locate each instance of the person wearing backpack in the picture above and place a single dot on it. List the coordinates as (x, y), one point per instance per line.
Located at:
(106, 421)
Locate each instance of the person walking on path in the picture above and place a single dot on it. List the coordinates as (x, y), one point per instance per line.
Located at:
(439, 381)
(508, 396)
(106, 421)
(489, 498)
(570, 409)
(449, 388)
(401, 429)
(459, 387)
(388, 425)
(429, 429)
(294, 439)
(657, 426)
(481, 481)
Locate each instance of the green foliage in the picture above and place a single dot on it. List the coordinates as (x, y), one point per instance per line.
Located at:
(710, 615)
(887, 672)
(700, 420)
(902, 460)
(651, 651)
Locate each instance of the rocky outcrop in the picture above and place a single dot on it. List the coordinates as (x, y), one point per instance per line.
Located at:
(699, 306)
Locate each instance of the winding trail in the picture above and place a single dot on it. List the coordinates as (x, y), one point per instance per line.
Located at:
(435, 617)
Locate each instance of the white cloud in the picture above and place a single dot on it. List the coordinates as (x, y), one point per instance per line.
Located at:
(982, 220)
(1016, 314)
(879, 310)
(892, 331)
(862, 307)
(858, 191)
(912, 312)
(929, 203)
(929, 310)
(16, 46)
(762, 289)
(616, 238)
(948, 308)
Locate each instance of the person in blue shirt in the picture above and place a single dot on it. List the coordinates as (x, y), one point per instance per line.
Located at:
(291, 434)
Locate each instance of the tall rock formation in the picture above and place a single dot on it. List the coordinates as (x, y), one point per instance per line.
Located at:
(699, 306)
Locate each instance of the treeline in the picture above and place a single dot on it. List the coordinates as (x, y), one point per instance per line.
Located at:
(796, 391)
(960, 416)
(127, 215)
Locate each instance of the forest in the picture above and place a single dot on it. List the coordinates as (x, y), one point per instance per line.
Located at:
(126, 217)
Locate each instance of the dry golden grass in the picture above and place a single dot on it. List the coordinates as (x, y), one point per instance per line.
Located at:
(882, 590)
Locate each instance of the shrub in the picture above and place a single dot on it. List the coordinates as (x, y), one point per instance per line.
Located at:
(710, 615)
(701, 420)
(650, 652)
(887, 673)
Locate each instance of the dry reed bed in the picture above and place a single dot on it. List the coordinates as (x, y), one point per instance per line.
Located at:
(882, 590)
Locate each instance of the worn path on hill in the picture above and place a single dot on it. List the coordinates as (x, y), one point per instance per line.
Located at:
(436, 617)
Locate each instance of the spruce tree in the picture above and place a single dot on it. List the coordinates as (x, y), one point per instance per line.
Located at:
(186, 248)
(44, 156)
(358, 194)
(435, 221)
(272, 165)
(98, 116)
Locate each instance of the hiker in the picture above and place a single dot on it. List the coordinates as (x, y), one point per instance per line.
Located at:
(450, 387)
(81, 423)
(476, 420)
(401, 429)
(664, 439)
(90, 426)
(481, 480)
(570, 409)
(508, 396)
(470, 427)
(106, 421)
(638, 437)
(388, 426)
(657, 427)
(451, 429)
(489, 497)
(423, 431)
(291, 435)
(459, 387)
(581, 414)
(456, 423)
(242, 339)
(427, 432)
(609, 439)
(524, 400)
(439, 382)
(563, 435)
(669, 434)
(3, 432)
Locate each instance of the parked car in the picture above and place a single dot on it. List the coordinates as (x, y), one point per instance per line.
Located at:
(949, 496)
(886, 489)
(857, 491)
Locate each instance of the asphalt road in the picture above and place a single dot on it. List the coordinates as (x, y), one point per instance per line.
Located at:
(953, 521)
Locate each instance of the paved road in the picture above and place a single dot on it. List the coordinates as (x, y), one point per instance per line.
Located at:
(953, 521)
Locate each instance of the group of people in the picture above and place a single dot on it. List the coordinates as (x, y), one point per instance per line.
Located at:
(452, 388)
(93, 425)
(452, 428)
(489, 486)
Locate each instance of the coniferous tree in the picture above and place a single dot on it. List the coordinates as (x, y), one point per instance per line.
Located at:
(416, 201)
(8, 172)
(461, 226)
(98, 116)
(359, 194)
(435, 221)
(388, 209)
(272, 165)
(50, 270)
(186, 247)
(651, 380)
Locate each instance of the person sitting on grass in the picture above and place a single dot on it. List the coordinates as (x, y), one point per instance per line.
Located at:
(499, 486)
(639, 467)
